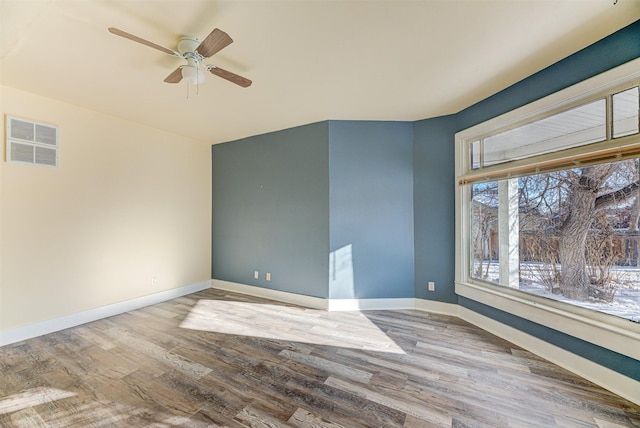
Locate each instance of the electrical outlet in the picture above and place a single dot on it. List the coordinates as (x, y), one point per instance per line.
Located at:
(256, 274)
(154, 280)
(268, 276)
(431, 286)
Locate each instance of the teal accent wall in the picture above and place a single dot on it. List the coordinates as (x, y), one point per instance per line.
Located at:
(326, 208)
(371, 209)
(270, 210)
(434, 207)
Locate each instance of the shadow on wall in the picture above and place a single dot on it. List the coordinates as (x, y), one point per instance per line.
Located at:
(341, 282)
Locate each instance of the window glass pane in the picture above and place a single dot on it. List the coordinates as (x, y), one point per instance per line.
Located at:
(581, 125)
(474, 154)
(484, 236)
(625, 113)
(576, 240)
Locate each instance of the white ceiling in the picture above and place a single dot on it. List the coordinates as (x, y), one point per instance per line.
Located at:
(310, 60)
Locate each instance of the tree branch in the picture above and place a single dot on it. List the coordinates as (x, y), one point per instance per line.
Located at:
(608, 199)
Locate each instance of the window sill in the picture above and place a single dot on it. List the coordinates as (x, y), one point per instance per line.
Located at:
(610, 332)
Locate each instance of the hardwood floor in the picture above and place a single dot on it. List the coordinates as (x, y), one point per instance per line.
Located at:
(220, 359)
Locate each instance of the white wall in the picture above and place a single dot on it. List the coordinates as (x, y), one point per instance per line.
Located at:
(127, 203)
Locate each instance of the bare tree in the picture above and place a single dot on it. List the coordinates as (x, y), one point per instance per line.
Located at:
(589, 191)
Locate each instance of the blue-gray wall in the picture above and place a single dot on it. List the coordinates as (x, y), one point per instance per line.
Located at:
(434, 228)
(271, 210)
(371, 209)
(292, 202)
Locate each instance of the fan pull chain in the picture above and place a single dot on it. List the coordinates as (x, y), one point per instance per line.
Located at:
(197, 89)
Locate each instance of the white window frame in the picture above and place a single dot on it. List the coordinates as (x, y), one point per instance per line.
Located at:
(611, 332)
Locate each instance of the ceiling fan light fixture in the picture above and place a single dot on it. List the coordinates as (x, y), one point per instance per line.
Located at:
(193, 75)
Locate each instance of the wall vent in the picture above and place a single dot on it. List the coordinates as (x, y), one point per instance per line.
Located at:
(31, 142)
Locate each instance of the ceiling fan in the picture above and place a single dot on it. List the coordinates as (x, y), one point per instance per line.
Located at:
(195, 52)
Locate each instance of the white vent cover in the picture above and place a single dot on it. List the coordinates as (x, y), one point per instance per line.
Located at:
(31, 142)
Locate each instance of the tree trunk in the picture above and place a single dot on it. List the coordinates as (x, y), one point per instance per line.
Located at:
(585, 198)
(574, 277)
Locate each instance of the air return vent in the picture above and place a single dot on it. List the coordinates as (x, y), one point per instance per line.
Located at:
(31, 142)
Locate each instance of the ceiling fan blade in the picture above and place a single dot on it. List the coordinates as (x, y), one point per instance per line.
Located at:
(175, 76)
(231, 77)
(213, 43)
(126, 35)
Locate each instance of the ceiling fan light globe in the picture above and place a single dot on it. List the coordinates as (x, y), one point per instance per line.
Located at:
(193, 75)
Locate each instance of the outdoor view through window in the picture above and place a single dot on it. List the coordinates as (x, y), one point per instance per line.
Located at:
(571, 234)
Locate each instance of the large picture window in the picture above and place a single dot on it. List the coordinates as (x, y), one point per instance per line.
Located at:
(548, 204)
(570, 235)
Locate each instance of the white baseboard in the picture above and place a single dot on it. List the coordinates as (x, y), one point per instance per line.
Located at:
(56, 324)
(369, 304)
(436, 307)
(613, 381)
(338, 304)
(267, 293)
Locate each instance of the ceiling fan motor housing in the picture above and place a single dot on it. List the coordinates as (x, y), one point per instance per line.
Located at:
(187, 48)
(187, 45)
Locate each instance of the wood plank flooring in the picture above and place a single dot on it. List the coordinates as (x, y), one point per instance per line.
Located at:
(221, 359)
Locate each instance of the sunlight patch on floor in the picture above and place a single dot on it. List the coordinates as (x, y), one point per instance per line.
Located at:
(268, 321)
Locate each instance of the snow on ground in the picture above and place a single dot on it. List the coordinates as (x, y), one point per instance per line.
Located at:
(626, 302)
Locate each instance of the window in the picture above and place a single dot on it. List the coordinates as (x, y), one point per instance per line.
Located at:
(548, 204)
(577, 126)
(570, 235)
(625, 112)
(31, 142)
